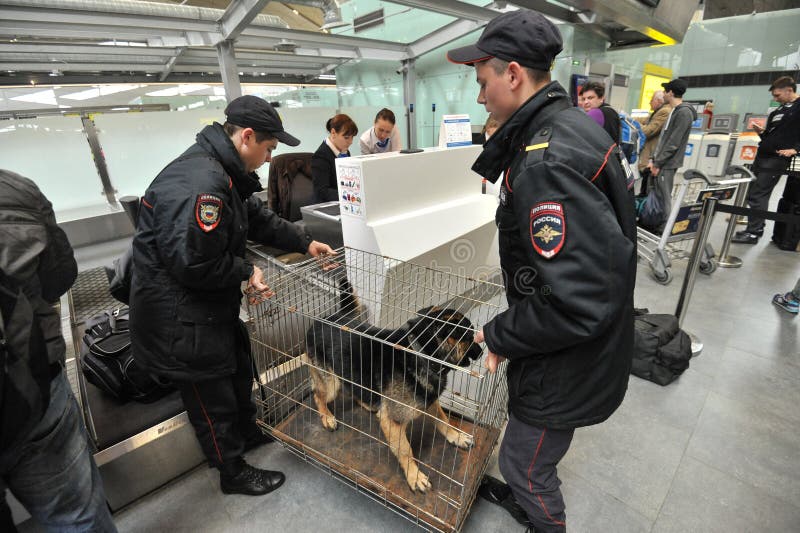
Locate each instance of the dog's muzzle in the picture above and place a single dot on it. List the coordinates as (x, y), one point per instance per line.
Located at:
(474, 353)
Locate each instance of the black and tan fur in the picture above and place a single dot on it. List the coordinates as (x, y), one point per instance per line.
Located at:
(387, 377)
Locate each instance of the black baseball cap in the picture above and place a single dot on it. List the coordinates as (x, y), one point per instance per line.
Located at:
(677, 86)
(524, 36)
(253, 112)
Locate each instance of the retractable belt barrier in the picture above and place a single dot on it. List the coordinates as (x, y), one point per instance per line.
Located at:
(769, 215)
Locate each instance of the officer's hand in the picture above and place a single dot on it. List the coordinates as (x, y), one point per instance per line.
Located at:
(323, 253)
(492, 359)
(757, 128)
(257, 290)
(788, 152)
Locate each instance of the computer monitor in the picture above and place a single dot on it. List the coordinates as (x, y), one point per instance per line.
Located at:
(700, 123)
(723, 123)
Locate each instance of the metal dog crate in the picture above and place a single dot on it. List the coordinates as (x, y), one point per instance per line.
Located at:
(361, 451)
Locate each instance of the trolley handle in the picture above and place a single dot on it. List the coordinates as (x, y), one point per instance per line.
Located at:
(694, 174)
(745, 172)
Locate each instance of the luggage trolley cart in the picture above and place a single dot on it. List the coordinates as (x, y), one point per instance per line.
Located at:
(681, 227)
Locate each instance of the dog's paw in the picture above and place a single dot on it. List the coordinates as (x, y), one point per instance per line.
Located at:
(461, 440)
(329, 422)
(418, 481)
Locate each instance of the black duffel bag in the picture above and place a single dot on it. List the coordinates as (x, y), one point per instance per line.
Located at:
(107, 361)
(661, 349)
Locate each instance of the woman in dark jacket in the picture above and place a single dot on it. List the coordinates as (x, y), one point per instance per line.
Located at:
(323, 167)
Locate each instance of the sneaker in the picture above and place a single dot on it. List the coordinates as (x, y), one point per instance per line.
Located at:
(251, 481)
(787, 302)
(745, 237)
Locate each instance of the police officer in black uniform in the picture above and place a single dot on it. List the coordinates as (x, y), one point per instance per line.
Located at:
(780, 141)
(189, 264)
(568, 253)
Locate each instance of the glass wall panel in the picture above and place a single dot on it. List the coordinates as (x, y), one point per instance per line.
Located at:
(54, 153)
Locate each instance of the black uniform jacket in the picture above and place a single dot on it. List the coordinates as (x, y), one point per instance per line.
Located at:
(323, 174)
(781, 132)
(188, 255)
(568, 251)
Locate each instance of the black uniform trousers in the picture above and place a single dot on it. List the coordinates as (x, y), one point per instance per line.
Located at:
(758, 197)
(222, 412)
(528, 459)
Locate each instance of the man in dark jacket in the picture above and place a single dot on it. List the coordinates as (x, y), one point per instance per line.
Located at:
(780, 140)
(568, 252)
(45, 457)
(189, 264)
(671, 148)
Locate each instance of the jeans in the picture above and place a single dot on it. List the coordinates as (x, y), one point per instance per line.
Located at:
(53, 473)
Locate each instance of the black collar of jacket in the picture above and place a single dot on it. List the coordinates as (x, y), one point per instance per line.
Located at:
(512, 136)
(216, 142)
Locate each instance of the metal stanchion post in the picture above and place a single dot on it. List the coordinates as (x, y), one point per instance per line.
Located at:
(706, 218)
(725, 260)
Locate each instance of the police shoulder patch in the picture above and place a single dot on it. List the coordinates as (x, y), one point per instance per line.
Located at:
(548, 228)
(207, 211)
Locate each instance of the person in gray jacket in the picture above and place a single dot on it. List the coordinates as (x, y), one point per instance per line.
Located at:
(671, 147)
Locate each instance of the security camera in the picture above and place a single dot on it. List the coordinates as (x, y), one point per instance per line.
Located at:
(401, 69)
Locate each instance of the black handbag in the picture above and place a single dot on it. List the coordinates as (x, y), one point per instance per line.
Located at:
(107, 361)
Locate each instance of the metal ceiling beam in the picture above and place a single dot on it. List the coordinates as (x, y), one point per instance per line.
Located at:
(170, 64)
(253, 55)
(453, 8)
(156, 69)
(105, 19)
(251, 70)
(81, 67)
(154, 37)
(442, 36)
(56, 60)
(85, 49)
(17, 80)
(238, 15)
(317, 39)
(549, 10)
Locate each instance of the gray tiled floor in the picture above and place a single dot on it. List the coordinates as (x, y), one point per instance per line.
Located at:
(718, 450)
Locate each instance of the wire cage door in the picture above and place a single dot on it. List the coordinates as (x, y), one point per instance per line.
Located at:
(368, 369)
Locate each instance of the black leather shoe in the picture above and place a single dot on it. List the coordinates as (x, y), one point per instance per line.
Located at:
(251, 481)
(745, 237)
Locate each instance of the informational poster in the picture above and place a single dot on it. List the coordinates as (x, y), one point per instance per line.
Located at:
(350, 191)
(455, 130)
(687, 220)
(748, 153)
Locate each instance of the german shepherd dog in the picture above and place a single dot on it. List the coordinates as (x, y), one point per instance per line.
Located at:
(384, 374)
